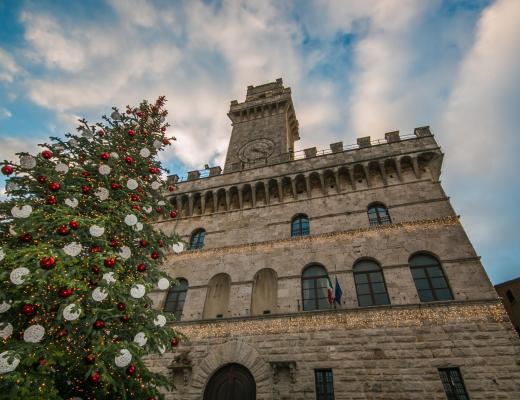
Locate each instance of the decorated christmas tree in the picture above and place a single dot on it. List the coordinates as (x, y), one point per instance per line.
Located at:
(79, 255)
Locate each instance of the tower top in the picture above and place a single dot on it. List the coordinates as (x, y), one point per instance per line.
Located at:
(264, 126)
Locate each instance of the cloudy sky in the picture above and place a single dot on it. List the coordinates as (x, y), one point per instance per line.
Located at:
(356, 68)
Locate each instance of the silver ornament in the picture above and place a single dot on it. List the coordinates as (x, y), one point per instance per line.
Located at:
(140, 339)
(34, 334)
(99, 294)
(18, 275)
(72, 203)
(163, 284)
(123, 358)
(104, 169)
(130, 220)
(21, 212)
(109, 277)
(137, 291)
(73, 249)
(5, 365)
(144, 152)
(6, 331)
(62, 168)
(132, 184)
(4, 306)
(102, 193)
(125, 252)
(159, 321)
(69, 314)
(96, 231)
(27, 162)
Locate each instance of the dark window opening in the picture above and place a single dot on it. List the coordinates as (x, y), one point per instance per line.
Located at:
(300, 225)
(429, 278)
(453, 384)
(378, 215)
(370, 284)
(510, 296)
(324, 384)
(197, 239)
(176, 298)
(315, 288)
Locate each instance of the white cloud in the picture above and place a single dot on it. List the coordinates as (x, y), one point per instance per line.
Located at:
(5, 113)
(8, 67)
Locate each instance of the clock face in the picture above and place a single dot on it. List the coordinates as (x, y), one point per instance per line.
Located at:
(255, 150)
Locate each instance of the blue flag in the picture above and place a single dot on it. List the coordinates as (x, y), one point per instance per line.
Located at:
(337, 293)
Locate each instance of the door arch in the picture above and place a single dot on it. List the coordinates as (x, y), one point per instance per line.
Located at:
(231, 382)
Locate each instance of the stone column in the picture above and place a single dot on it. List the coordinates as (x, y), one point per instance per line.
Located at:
(351, 176)
(190, 204)
(267, 194)
(202, 203)
(228, 199)
(336, 177)
(367, 175)
(308, 185)
(383, 172)
(416, 169)
(280, 190)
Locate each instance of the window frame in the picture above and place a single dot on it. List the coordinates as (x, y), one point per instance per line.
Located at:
(197, 239)
(379, 218)
(315, 288)
(450, 387)
(510, 296)
(369, 282)
(298, 218)
(431, 287)
(174, 290)
(321, 386)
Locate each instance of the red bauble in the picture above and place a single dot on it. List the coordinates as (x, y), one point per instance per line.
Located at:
(95, 377)
(130, 370)
(47, 154)
(139, 114)
(99, 324)
(129, 111)
(166, 142)
(115, 186)
(65, 292)
(163, 129)
(85, 189)
(159, 210)
(153, 170)
(74, 224)
(121, 306)
(150, 398)
(131, 132)
(114, 243)
(54, 186)
(141, 267)
(96, 249)
(52, 200)
(63, 333)
(160, 243)
(42, 361)
(26, 237)
(110, 262)
(63, 230)
(101, 133)
(7, 170)
(42, 179)
(135, 197)
(28, 309)
(129, 160)
(95, 269)
(90, 359)
(85, 173)
(125, 318)
(154, 255)
(47, 262)
(174, 342)
(170, 188)
(104, 156)
(136, 207)
(173, 214)
(143, 243)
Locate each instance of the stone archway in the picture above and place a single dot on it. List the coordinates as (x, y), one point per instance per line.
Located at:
(231, 382)
(234, 351)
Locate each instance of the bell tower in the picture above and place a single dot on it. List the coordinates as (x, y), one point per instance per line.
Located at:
(264, 127)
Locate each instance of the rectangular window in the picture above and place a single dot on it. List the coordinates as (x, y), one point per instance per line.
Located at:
(324, 384)
(510, 296)
(453, 384)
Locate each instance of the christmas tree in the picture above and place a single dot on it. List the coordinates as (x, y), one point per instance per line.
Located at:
(79, 255)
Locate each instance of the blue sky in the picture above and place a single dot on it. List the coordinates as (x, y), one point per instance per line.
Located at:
(356, 68)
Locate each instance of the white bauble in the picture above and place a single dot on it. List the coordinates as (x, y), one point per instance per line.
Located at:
(178, 247)
(11, 186)
(2, 254)
(163, 284)
(130, 220)
(161, 203)
(109, 277)
(5, 365)
(114, 155)
(21, 212)
(6, 331)
(96, 231)
(140, 339)
(34, 334)
(12, 231)
(87, 133)
(72, 203)
(149, 121)
(137, 291)
(62, 168)
(73, 142)
(73, 249)
(71, 315)
(123, 358)
(144, 152)
(99, 294)
(27, 162)
(18, 275)
(160, 321)
(102, 193)
(115, 115)
(4, 306)
(138, 227)
(162, 349)
(155, 185)
(147, 210)
(104, 169)
(125, 252)
(157, 144)
(132, 184)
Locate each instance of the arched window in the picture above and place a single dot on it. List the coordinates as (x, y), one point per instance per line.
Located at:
(265, 292)
(217, 297)
(378, 214)
(176, 297)
(429, 278)
(197, 239)
(315, 288)
(370, 284)
(300, 225)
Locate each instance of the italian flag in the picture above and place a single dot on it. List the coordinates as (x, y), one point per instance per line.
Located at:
(330, 291)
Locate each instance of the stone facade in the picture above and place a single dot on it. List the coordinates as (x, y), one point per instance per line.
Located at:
(509, 293)
(244, 302)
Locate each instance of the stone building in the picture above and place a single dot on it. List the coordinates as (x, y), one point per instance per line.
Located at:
(509, 292)
(418, 317)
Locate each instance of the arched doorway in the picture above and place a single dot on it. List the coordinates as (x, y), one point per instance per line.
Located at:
(231, 382)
